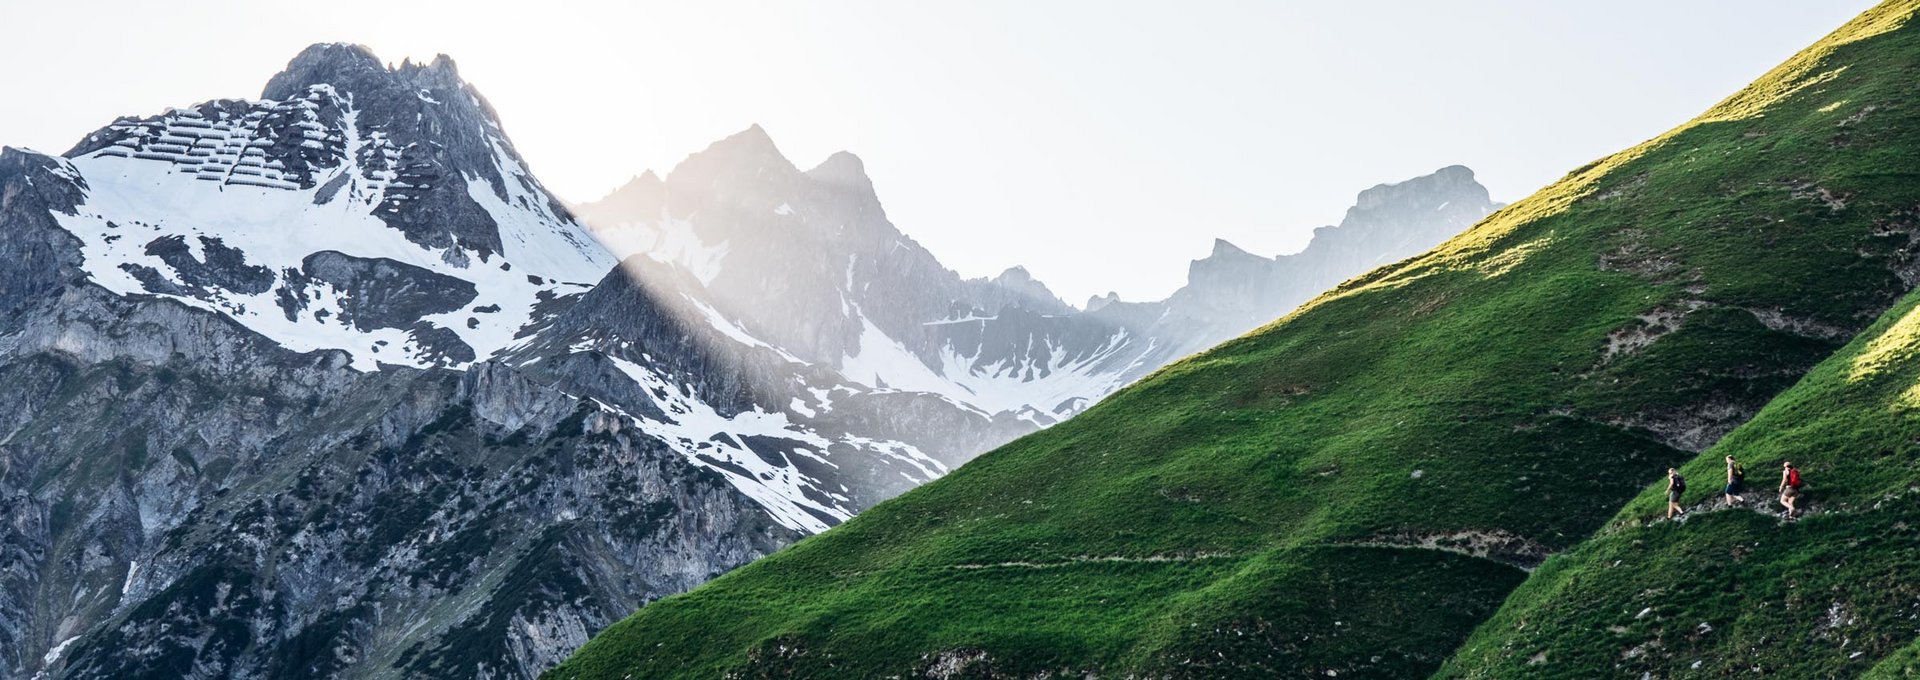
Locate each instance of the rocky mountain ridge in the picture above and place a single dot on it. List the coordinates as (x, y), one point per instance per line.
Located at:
(326, 384)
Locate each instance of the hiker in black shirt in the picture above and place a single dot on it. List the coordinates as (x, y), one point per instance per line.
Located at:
(1676, 485)
(1736, 482)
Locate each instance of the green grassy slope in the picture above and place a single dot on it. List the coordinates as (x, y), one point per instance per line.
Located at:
(1727, 590)
(1357, 486)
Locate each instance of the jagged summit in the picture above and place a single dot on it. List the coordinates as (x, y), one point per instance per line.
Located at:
(351, 67)
(1033, 292)
(843, 170)
(1014, 275)
(1231, 291)
(1097, 302)
(333, 63)
(749, 150)
(640, 195)
(754, 137)
(1449, 181)
(1224, 249)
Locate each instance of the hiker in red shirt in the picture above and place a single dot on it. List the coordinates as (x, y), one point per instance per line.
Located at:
(1790, 488)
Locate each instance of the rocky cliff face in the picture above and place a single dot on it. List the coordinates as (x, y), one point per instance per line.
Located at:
(258, 429)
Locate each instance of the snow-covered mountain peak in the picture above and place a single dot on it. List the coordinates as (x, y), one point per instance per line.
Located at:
(376, 211)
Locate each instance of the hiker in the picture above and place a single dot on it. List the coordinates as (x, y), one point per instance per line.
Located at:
(1676, 485)
(1790, 488)
(1736, 482)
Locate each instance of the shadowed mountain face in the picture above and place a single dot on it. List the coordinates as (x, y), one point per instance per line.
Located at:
(326, 384)
(1448, 464)
(255, 429)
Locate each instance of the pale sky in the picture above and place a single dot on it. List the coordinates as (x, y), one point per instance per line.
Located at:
(1101, 144)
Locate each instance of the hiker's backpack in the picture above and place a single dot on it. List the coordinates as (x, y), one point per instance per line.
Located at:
(1739, 473)
(1679, 484)
(1793, 478)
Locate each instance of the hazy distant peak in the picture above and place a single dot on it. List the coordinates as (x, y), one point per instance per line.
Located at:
(1451, 183)
(645, 182)
(842, 169)
(1231, 291)
(639, 197)
(746, 154)
(1223, 248)
(751, 142)
(1018, 280)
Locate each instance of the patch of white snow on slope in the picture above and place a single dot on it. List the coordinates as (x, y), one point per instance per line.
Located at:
(733, 331)
(1060, 387)
(882, 362)
(534, 238)
(716, 442)
(1052, 387)
(127, 584)
(691, 431)
(59, 649)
